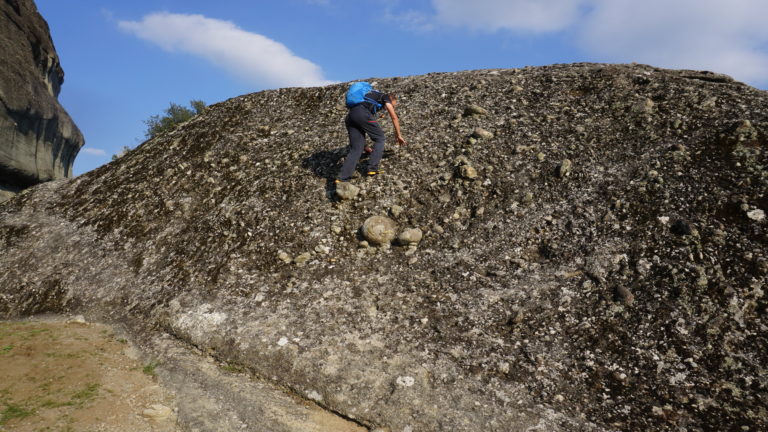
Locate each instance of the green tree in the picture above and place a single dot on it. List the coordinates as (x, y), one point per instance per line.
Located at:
(173, 116)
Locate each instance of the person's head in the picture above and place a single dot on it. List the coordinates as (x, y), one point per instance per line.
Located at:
(393, 98)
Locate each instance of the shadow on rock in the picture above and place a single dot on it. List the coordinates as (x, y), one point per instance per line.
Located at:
(326, 163)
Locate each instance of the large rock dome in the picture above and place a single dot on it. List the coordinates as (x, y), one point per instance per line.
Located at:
(593, 253)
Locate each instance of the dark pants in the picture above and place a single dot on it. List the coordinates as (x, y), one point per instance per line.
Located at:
(359, 122)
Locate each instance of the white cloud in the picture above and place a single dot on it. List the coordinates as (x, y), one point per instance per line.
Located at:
(250, 56)
(723, 36)
(728, 37)
(94, 151)
(411, 20)
(522, 15)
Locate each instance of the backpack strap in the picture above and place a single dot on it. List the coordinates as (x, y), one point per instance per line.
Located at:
(376, 104)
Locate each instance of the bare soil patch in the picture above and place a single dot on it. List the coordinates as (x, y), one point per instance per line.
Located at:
(76, 376)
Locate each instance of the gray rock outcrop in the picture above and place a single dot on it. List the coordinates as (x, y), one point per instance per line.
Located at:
(38, 140)
(629, 295)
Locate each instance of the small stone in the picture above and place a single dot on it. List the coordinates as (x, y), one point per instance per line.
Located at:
(438, 229)
(745, 131)
(762, 266)
(517, 317)
(644, 106)
(461, 160)
(157, 412)
(541, 156)
(315, 396)
(284, 257)
(701, 281)
(283, 341)
(481, 133)
(643, 267)
(528, 198)
(564, 169)
(336, 229)
(405, 381)
(264, 131)
(363, 244)
(379, 230)
(303, 258)
(468, 172)
(473, 110)
(78, 319)
(396, 211)
(719, 237)
(411, 236)
(756, 215)
(346, 191)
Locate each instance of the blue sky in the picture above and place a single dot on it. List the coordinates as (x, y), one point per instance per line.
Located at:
(127, 60)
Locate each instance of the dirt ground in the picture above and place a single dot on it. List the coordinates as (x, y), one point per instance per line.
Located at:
(77, 376)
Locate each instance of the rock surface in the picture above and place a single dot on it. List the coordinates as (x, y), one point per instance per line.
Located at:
(38, 140)
(533, 302)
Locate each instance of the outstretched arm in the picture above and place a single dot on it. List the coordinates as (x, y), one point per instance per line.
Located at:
(395, 122)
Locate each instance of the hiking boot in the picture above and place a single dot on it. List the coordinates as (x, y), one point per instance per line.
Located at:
(372, 173)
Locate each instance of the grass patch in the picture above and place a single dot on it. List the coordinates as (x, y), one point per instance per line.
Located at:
(6, 349)
(53, 404)
(86, 394)
(149, 368)
(123, 341)
(26, 335)
(12, 412)
(62, 355)
(232, 368)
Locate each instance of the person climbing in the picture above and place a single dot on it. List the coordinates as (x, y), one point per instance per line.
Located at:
(363, 103)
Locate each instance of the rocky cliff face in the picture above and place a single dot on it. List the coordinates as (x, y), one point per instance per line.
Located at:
(592, 252)
(38, 140)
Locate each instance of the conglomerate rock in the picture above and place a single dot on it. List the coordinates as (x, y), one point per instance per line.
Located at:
(624, 293)
(38, 140)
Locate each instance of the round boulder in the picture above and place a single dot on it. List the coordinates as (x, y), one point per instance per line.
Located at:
(410, 237)
(347, 191)
(379, 230)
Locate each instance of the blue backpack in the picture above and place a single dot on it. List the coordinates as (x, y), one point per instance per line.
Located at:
(356, 95)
